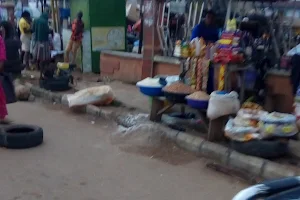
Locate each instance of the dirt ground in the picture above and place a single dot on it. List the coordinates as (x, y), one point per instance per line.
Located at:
(78, 161)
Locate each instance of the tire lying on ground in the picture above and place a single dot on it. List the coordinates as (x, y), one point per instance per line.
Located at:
(56, 84)
(21, 136)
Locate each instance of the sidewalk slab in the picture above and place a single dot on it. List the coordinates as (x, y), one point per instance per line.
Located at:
(128, 94)
(253, 165)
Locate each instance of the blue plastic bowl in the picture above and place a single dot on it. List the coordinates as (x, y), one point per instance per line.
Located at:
(197, 104)
(151, 91)
(221, 92)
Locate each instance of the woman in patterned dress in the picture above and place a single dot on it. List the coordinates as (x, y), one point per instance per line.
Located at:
(41, 49)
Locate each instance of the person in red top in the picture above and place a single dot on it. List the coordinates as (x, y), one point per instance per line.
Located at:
(76, 39)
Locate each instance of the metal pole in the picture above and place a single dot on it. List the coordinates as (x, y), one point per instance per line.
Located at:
(56, 16)
(195, 14)
(141, 36)
(201, 13)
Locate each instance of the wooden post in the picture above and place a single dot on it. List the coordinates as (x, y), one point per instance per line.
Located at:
(53, 15)
(151, 45)
(216, 129)
(156, 106)
(56, 16)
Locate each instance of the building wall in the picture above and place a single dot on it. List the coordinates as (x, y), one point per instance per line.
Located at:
(127, 67)
(105, 14)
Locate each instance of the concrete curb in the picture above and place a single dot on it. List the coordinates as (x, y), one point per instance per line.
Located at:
(253, 165)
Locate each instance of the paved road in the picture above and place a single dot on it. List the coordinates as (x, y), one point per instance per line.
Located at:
(78, 162)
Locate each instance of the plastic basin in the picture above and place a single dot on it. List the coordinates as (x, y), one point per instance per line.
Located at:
(197, 104)
(151, 91)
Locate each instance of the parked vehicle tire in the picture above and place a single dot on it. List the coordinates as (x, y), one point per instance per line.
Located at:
(21, 136)
(262, 148)
(274, 189)
(288, 194)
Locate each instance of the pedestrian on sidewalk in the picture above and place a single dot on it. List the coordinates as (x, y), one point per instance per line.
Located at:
(41, 49)
(13, 63)
(25, 30)
(76, 39)
(3, 108)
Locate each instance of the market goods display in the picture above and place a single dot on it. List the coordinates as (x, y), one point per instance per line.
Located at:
(278, 124)
(149, 82)
(200, 96)
(221, 82)
(255, 124)
(177, 50)
(195, 48)
(198, 100)
(252, 106)
(177, 92)
(228, 50)
(205, 69)
(193, 77)
(150, 87)
(199, 75)
(240, 133)
(249, 117)
(179, 88)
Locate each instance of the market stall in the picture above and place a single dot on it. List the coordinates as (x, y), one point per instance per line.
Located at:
(218, 76)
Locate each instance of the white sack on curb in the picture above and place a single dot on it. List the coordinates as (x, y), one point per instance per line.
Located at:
(22, 92)
(100, 95)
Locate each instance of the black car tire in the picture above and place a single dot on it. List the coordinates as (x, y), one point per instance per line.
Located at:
(21, 136)
(293, 193)
(262, 148)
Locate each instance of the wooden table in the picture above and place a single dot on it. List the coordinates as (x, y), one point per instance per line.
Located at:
(215, 128)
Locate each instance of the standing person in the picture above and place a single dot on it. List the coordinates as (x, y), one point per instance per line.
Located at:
(76, 38)
(41, 49)
(3, 108)
(25, 30)
(13, 63)
(207, 29)
(210, 33)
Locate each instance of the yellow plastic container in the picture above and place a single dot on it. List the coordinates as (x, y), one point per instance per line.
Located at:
(63, 66)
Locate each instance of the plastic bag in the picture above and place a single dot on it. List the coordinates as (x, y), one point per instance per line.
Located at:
(22, 92)
(240, 133)
(248, 117)
(101, 95)
(278, 124)
(222, 104)
(195, 44)
(231, 25)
